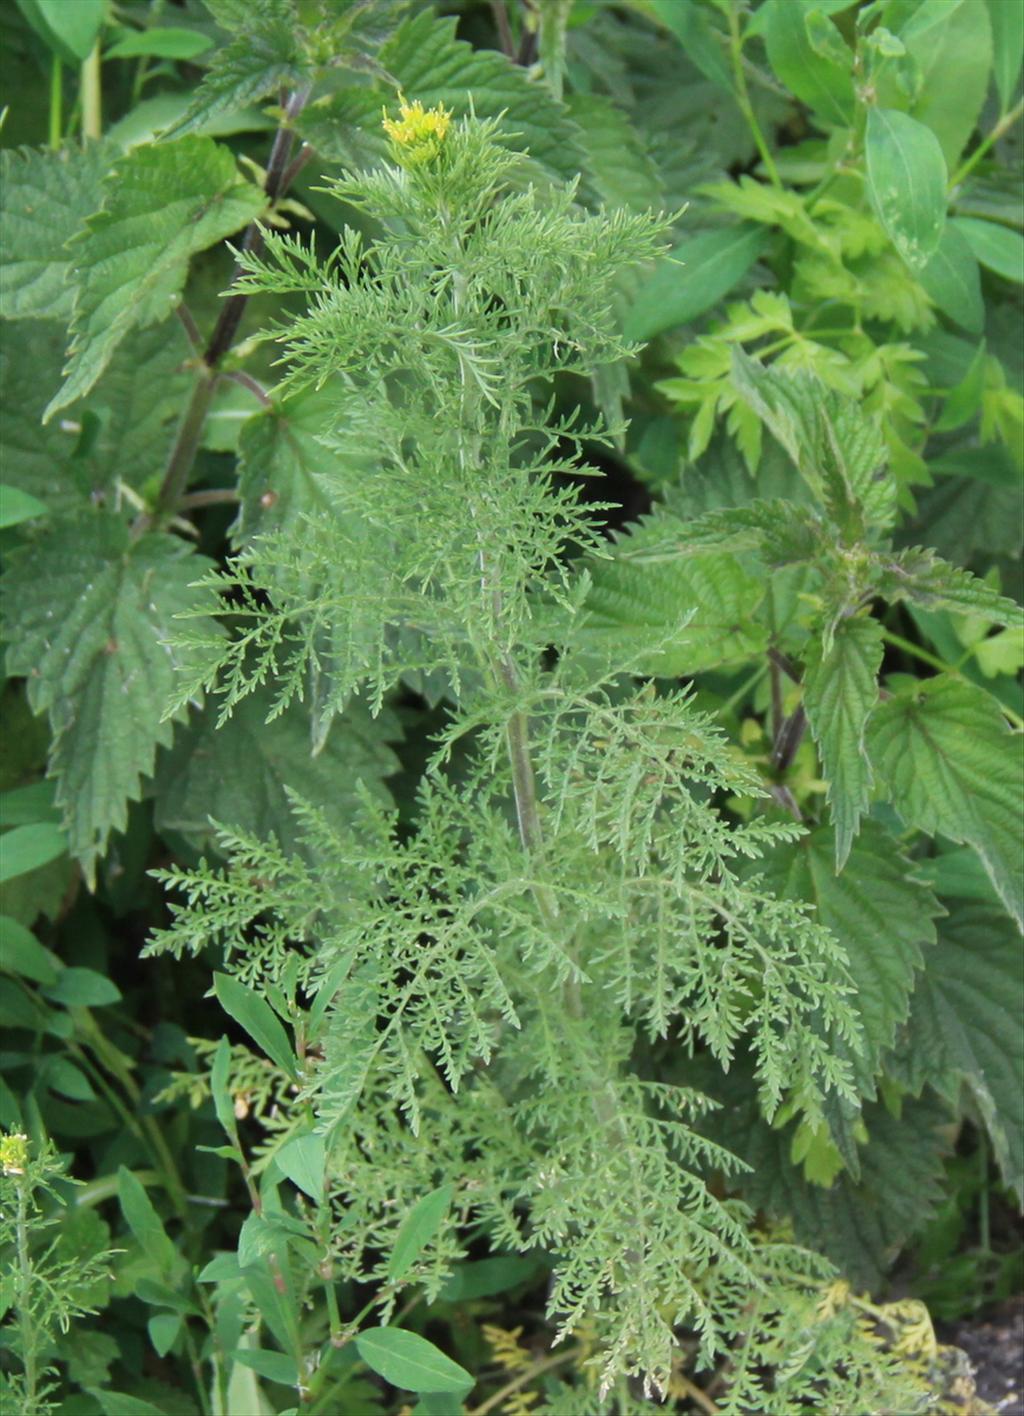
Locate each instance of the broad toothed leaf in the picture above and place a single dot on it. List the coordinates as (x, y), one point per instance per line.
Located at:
(45, 197)
(946, 760)
(964, 1026)
(88, 616)
(923, 578)
(840, 690)
(162, 204)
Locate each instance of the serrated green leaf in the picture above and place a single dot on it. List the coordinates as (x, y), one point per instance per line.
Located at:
(257, 1018)
(428, 62)
(694, 277)
(945, 758)
(45, 196)
(951, 278)
(618, 162)
(265, 57)
(965, 1026)
(88, 616)
(418, 1228)
(687, 614)
(162, 204)
(925, 579)
(881, 914)
(143, 1220)
(409, 1361)
(907, 183)
(245, 773)
(840, 691)
(998, 248)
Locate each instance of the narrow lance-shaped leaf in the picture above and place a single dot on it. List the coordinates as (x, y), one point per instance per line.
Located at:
(257, 1017)
(407, 1360)
(418, 1228)
(162, 205)
(840, 691)
(949, 764)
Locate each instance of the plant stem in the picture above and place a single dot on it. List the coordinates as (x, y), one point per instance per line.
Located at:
(742, 96)
(26, 1322)
(967, 167)
(915, 650)
(536, 1369)
(92, 118)
(56, 100)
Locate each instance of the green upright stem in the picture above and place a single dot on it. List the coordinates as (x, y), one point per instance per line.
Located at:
(92, 117)
(742, 95)
(26, 1322)
(56, 101)
(966, 168)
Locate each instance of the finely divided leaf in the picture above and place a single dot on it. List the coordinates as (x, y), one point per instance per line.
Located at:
(88, 618)
(45, 197)
(162, 205)
(840, 690)
(965, 1026)
(947, 761)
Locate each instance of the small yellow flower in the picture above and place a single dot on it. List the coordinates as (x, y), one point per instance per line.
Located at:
(419, 132)
(13, 1153)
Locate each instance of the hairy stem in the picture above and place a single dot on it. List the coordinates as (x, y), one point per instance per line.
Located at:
(26, 1320)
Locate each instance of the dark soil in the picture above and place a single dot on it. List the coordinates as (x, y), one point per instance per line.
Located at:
(996, 1349)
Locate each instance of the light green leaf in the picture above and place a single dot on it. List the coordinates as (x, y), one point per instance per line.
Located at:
(28, 847)
(951, 278)
(163, 42)
(302, 1160)
(275, 1366)
(418, 1228)
(83, 988)
(427, 61)
(143, 1220)
(840, 691)
(77, 25)
(998, 248)
(21, 952)
(1007, 23)
(162, 204)
(618, 162)
(945, 758)
(17, 506)
(925, 579)
(115, 1403)
(45, 197)
(951, 45)
(245, 773)
(694, 277)
(965, 1026)
(409, 1361)
(163, 1329)
(350, 1042)
(219, 1075)
(686, 614)
(257, 1018)
(88, 616)
(907, 183)
(881, 914)
(691, 25)
(819, 81)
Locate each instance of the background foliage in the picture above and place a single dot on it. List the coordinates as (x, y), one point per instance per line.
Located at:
(331, 1082)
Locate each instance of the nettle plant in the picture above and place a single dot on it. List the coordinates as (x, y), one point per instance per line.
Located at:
(635, 997)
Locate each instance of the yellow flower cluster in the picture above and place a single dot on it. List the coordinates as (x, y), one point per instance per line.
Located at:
(13, 1153)
(418, 132)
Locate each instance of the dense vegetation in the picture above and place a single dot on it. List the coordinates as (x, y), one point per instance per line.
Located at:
(511, 781)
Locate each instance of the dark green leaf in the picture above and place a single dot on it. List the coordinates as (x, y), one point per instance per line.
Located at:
(17, 506)
(83, 988)
(816, 79)
(275, 1366)
(409, 1361)
(117, 1404)
(694, 277)
(701, 43)
(250, 1011)
(303, 1159)
(951, 278)
(618, 162)
(143, 1220)
(77, 25)
(21, 952)
(907, 183)
(164, 42)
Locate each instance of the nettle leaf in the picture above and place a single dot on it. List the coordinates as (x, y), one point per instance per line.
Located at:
(263, 59)
(907, 183)
(945, 758)
(964, 1026)
(45, 197)
(840, 690)
(619, 164)
(690, 612)
(925, 579)
(282, 463)
(119, 433)
(162, 205)
(246, 773)
(881, 914)
(88, 616)
(428, 62)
